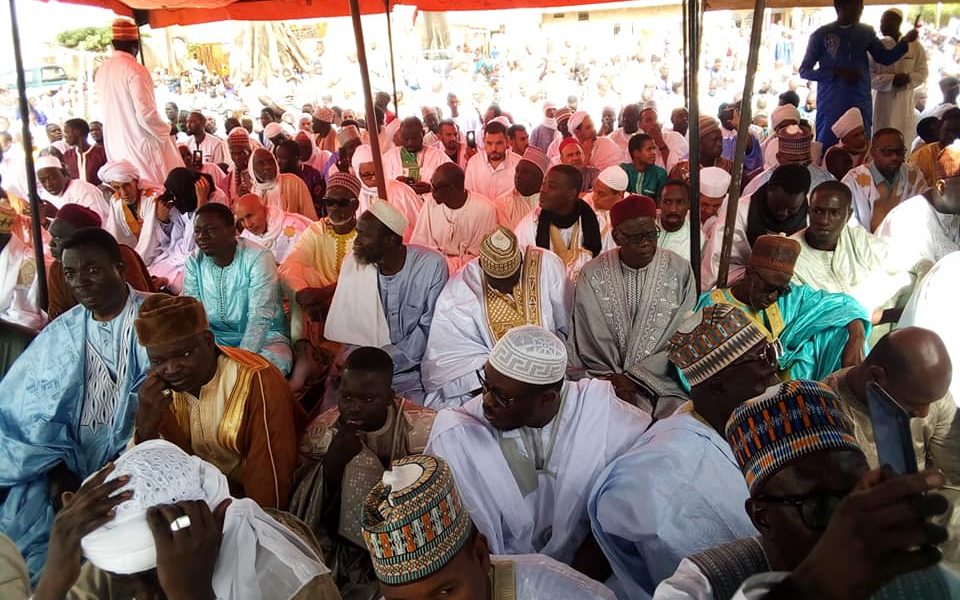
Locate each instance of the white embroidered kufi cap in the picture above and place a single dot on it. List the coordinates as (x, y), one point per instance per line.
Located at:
(615, 178)
(714, 182)
(160, 473)
(530, 354)
(389, 216)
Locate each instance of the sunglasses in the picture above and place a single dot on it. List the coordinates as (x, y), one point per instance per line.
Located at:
(815, 509)
(769, 288)
(338, 202)
(770, 354)
(649, 237)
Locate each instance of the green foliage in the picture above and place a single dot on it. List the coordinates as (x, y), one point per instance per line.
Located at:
(92, 39)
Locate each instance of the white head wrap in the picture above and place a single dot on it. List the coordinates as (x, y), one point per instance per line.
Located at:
(530, 354)
(502, 120)
(548, 105)
(48, 162)
(787, 112)
(576, 119)
(256, 552)
(363, 154)
(389, 216)
(714, 182)
(614, 178)
(847, 122)
(259, 185)
(273, 130)
(118, 171)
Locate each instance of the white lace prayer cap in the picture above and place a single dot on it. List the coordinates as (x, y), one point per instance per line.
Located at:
(530, 354)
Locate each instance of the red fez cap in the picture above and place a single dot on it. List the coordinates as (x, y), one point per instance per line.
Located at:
(568, 141)
(632, 207)
(78, 216)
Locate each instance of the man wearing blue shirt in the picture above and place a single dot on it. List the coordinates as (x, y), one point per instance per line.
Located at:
(836, 59)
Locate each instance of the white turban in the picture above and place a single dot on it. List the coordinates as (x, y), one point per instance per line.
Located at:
(363, 154)
(614, 178)
(786, 112)
(162, 473)
(273, 130)
(118, 171)
(714, 182)
(576, 119)
(530, 354)
(847, 122)
(548, 105)
(389, 216)
(48, 162)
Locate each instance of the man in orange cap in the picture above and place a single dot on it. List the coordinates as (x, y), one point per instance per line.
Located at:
(134, 131)
(818, 331)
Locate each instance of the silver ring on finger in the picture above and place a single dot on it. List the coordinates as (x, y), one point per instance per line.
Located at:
(181, 522)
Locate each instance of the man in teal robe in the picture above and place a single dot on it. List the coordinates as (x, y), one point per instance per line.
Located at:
(818, 332)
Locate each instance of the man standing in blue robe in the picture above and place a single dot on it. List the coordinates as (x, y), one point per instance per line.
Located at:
(68, 403)
(836, 59)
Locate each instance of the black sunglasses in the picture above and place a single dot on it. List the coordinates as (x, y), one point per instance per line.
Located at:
(815, 509)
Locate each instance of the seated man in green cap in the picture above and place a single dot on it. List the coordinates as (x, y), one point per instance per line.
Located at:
(424, 545)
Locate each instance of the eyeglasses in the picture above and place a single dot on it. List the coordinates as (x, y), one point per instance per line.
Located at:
(815, 509)
(650, 237)
(770, 288)
(499, 398)
(338, 202)
(770, 354)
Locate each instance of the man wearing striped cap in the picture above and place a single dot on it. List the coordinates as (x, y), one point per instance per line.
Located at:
(424, 544)
(678, 490)
(829, 528)
(528, 450)
(502, 289)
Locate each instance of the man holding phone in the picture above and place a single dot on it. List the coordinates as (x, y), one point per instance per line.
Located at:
(901, 408)
(413, 163)
(893, 103)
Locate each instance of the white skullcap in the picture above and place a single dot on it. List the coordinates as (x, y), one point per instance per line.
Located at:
(530, 354)
(306, 117)
(614, 178)
(160, 473)
(849, 121)
(714, 182)
(363, 154)
(273, 130)
(389, 216)
(576, 119)
(502, 119)
(118, 171)
(47, 162)
(786, 112)
(548, 105)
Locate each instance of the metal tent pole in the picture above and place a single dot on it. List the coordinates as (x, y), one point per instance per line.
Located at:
(693, 94)
(743, 136)
(393, 68)
(368, 96)
(36, 233)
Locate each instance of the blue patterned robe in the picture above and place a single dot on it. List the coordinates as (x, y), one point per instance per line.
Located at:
(43, 420)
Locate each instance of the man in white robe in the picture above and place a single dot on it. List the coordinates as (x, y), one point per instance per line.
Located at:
(503, 289)
(563, 223)
(525, 195)
(272, 228)
(883, 183)
(134, 130)
(19, 284)
(894, 85)
(490, 173)
(209, 146)
(794, 147)
(675, 218)
(453, 220)
(608, 189)
(413, 163)
(58, 189)
(836, 257)
(132, 219)
(927, 227)
(933, 306)
(529, 450)
(598, 152)
(456, 557)
(679, 491)
(399, 195)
